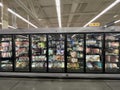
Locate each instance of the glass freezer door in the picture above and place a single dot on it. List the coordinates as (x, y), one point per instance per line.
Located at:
(94, 56)
(75, 53)
(112, 48)
(39, 49)
(6, 61)
(21, 53)
(56, 53)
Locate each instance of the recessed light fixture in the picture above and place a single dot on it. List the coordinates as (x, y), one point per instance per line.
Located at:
(16, 14)
(104, 11)
(58, 12)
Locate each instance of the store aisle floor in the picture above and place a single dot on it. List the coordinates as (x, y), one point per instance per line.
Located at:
(57, 84)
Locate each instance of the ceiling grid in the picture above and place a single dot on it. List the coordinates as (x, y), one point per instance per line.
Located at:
(74, 13)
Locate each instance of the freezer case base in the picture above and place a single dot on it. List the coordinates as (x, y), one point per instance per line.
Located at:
(60, 75)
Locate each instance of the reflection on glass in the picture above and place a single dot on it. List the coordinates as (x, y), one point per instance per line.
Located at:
(22, 50)
(39, 53)
(56, 53)
(75, 58)
(6, 53)
(112, 52)
(94, 52)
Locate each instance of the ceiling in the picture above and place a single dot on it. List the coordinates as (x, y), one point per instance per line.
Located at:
(74, 13)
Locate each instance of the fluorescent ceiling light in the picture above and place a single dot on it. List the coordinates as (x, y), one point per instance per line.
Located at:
(111, 23)
(117, 21)
(58, 12)
(40, 19)
(115, 16)
(1, 4)
(104, 11)
(11, 11)
(11, 27)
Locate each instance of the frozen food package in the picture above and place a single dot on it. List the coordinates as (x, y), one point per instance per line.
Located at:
(73, 65)
(74, 60)
(79, 48)
(33, 65)
(80, 43)
(116, 51)
(96, 51)
(56, 65)
(41, 45)
(43, 38)
(89, 65)
(92, 58)
(114, 65)
(107, 58)
(111, 66)
(112, 58)
(81, 55)
(68, 65)
(110, 37)
(112, 51)
(108, 65)
(73, 54)
(50, 65)
(114, 44)
(58, 57)
(99, 38)
(50, 51)
(91, 42)
(5, 44)
(87, 50)
(62, 64)
(98, 64)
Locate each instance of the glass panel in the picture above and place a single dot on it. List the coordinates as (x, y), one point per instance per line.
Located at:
(22, 52)
(6, 63)
(56, 52)
(112, 53)
(94, 57)
(39, 53)
(75, 52)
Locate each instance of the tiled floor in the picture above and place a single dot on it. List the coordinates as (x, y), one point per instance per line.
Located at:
(57, 84)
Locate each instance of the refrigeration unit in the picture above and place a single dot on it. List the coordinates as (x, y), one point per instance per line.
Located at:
(55, 52)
